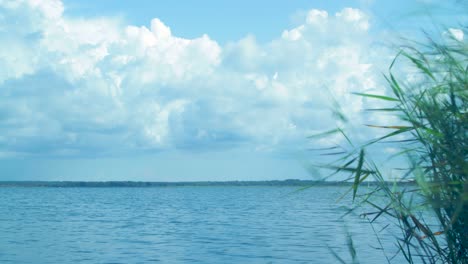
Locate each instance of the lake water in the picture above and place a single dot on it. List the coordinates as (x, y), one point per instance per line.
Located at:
(182, 225)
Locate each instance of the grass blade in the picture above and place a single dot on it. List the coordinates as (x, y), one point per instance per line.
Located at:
(382, 97)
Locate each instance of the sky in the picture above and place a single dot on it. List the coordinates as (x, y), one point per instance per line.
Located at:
(205, 90)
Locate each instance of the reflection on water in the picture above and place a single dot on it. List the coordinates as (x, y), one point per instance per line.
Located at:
(181, 225)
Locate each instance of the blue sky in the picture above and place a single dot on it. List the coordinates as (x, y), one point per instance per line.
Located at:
(223, 21)
(231, 21)
(177, 91)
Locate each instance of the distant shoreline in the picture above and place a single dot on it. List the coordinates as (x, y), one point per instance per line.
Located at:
(65, 184)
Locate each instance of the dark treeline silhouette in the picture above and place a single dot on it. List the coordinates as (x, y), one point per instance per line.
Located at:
(290, 182)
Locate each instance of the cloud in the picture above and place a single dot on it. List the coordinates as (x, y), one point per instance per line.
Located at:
(96, 86)
(456, 33)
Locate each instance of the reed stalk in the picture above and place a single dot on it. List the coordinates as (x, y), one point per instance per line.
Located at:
(429, 202)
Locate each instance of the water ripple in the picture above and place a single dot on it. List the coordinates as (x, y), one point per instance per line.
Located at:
(179, 225)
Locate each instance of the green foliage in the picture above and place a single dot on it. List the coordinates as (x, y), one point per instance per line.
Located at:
(432, 213)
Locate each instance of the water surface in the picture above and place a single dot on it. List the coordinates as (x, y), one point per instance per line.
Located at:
(181, 225)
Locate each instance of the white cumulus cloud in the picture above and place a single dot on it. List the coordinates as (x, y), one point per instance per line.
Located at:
(98, 86)
(457, 33)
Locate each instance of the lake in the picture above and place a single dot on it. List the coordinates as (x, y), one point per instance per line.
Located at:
(183, 225)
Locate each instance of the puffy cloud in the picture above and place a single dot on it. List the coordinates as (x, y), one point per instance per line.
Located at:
(96, 86)
(317, 17)
(356, 17)
(457, 33)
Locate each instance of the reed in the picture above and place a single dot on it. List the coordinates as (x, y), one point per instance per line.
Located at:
(431, 213)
